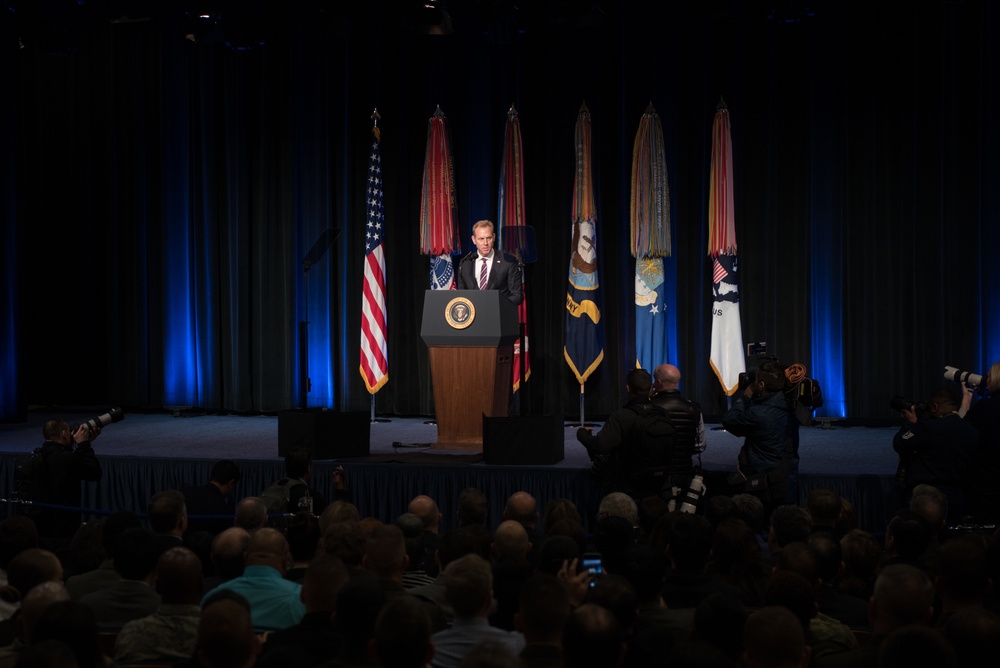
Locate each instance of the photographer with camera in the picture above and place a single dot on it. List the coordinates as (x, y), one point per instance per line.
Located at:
(68, 459)
(935, 448)
(983, 494)
(765, 418)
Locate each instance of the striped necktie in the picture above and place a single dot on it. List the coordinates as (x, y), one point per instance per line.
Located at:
(482, 275)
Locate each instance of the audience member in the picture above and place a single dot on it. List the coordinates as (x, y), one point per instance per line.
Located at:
(903, 596)
(169, 633)
(906, 539)
(71, 622)
(415, 575)
(861, 553)
(735, 559)
(522, 508)
(346, 541)
(228, 554)
(824, 507)
(774, 638)
(17, 533)
(543, 608)
(403, 635)
(251, 514)
(338, 511)
(592, 638)
(226, 637)
(789, 524)
(85, 551)
(843, 607)
(168, 518)
(214, 498)
(823, 634)
(275, 602)
(686, 583)
(473, 508)
(975, 635)
(135, 554)
(33, 604)
(917, 647)
(105, 574)
(719, 622)
(511, 547)
(963, 578)
(302, 532)
(469, 589)
(315, 638)
(358, 605)
(426, 509)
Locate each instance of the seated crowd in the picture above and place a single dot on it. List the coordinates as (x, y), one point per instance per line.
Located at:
(308, 583)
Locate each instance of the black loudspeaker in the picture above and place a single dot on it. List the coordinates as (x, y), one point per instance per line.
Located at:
(523, 440)
(329, 434)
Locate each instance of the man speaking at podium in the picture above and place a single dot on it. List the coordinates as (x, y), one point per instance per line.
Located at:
(486, 269)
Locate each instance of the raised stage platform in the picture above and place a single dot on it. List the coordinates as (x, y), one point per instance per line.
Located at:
(148, 453)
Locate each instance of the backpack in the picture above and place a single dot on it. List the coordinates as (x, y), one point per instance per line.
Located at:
(653, 437)
(277, 495)
(31, 476)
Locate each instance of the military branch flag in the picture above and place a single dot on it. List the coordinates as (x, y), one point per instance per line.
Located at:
(374, 352)
(727, 357)
(584, 348)
(510, 213)
(650, 240)
(438, 205)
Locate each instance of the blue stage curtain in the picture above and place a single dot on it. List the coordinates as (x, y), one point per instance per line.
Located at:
(159, 195)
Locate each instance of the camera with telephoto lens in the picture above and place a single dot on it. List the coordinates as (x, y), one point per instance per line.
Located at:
(973, 380)
(116, 414)
(687, 501)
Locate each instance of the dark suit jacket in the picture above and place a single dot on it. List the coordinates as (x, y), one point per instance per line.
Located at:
(505, 276)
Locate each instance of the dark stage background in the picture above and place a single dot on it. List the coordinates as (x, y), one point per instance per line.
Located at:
(159, 192)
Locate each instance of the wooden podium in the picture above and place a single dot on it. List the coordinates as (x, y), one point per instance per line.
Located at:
(470, 336)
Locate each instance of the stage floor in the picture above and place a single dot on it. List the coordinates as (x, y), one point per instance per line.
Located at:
(835, 451)
(150, 452)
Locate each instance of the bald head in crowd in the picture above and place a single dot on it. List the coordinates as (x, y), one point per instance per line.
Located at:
(268, 547)
(510, 541)
(666, 377)
(426, 509)
(522, 507)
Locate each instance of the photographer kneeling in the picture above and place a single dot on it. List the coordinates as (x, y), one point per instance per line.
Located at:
(935, 449)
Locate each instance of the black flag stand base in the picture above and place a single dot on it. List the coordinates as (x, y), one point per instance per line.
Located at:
(374, 419)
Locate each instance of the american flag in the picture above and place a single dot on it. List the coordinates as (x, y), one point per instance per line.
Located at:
(374, 353)
(718, 271)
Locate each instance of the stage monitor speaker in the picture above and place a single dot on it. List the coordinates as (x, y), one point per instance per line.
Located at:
(330, 435)
(527, 439)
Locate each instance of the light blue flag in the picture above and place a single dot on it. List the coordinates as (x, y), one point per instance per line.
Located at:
(651, 343)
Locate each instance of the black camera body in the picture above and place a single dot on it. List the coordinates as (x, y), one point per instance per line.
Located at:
(901, 403)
